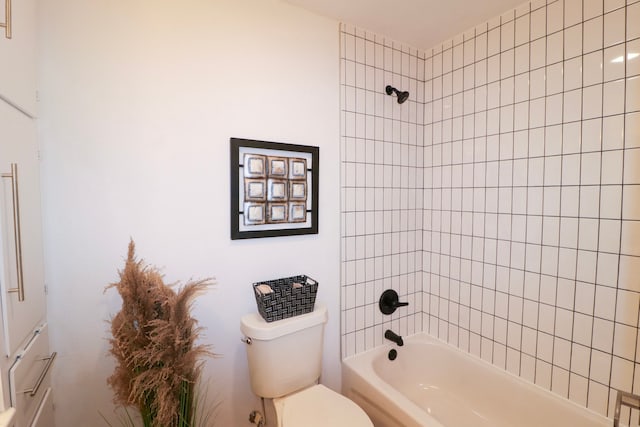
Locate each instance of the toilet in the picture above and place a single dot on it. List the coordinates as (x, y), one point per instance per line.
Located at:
(285, 362)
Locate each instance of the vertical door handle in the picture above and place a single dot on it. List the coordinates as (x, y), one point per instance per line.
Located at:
(17, 237)
(7, 19)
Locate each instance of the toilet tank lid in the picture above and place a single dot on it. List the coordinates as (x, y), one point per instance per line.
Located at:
(255, 327)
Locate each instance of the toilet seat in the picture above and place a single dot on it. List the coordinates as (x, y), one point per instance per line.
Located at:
(318, 406)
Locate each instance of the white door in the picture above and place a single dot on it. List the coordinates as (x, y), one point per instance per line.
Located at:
(21, 269)
(18, 53)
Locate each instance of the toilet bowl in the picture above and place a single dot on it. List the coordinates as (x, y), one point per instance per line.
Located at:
(318, 406)
(285, 362)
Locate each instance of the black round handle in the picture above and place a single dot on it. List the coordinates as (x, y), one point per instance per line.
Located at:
(389, 302)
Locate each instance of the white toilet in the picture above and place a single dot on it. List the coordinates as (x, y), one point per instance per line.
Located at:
(285, 361)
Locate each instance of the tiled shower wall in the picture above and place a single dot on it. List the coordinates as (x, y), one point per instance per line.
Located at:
(532, 202)
(531, 226)
(382, 187)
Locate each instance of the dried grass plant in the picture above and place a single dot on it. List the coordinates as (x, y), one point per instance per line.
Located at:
(154, 344)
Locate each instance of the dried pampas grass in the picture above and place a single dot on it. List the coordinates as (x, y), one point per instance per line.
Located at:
(154, 343)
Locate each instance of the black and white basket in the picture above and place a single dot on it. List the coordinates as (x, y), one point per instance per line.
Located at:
(291, 296)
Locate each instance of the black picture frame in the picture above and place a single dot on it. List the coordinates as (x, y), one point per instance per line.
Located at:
(239, 149)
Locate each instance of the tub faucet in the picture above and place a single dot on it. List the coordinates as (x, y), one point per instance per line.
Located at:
(392, 336)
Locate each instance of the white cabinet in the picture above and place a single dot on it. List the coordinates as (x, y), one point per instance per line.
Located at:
(21, 270)
(24, 346)
(30, 381)
(18, 54)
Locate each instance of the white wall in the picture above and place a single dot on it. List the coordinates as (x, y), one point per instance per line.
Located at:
(138, 100)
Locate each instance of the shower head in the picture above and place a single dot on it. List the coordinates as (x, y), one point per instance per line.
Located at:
(402, 96)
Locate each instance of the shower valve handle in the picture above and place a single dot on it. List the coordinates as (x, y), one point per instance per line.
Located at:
(389, 302)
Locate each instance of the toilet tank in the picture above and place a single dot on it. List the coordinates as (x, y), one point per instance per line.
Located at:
(286, 355)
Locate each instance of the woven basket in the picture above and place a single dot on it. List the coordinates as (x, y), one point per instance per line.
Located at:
(286, 300)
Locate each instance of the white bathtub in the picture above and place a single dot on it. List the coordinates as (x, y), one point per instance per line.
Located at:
(433, 384)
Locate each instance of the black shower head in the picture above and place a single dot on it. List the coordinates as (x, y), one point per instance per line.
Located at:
(402, 96)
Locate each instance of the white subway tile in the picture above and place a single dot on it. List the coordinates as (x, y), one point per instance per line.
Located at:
(537, 83)
(607, 275)
(610, 5)
(633, 89)
(573, 41)
(622, 374)
(572, 105)
(549, 265)
(587, 234)
(507, 36)
(629, 268)
(592, 34)
(591, 135)
(586, 267)
(580, 359)
(592, 8)
(521, 116)
(522, 59)
(590, 169)
(572, 12)
(506, 119)
(493, 41)
(507, 63)
(609, 240)
(613, 98)
(554, 78)
(602, 340)
(538, 23)
(632, 59)
(571, 138)
(600, 365)
(633, 17)
(632, 130)
(614, 27)
(552, 171)
(578, 387)
(567, 263)
(605, 303)
(592, 68)
(611, 201)
(537, 112)
(582, 328)
(493, 68)
(562, 359)
(555, 17)
(592, 102)
(565, 298)
(614, 63)
(537, 140)
(570, 170)
(538, 54)
(624, 341)
(544, 354)
(522, 30)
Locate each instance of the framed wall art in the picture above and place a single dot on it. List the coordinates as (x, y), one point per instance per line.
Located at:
(274, 189)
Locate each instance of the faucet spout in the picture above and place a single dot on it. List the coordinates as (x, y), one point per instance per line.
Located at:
(392, 336)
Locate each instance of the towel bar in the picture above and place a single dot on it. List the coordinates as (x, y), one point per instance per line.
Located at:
(626, 399)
